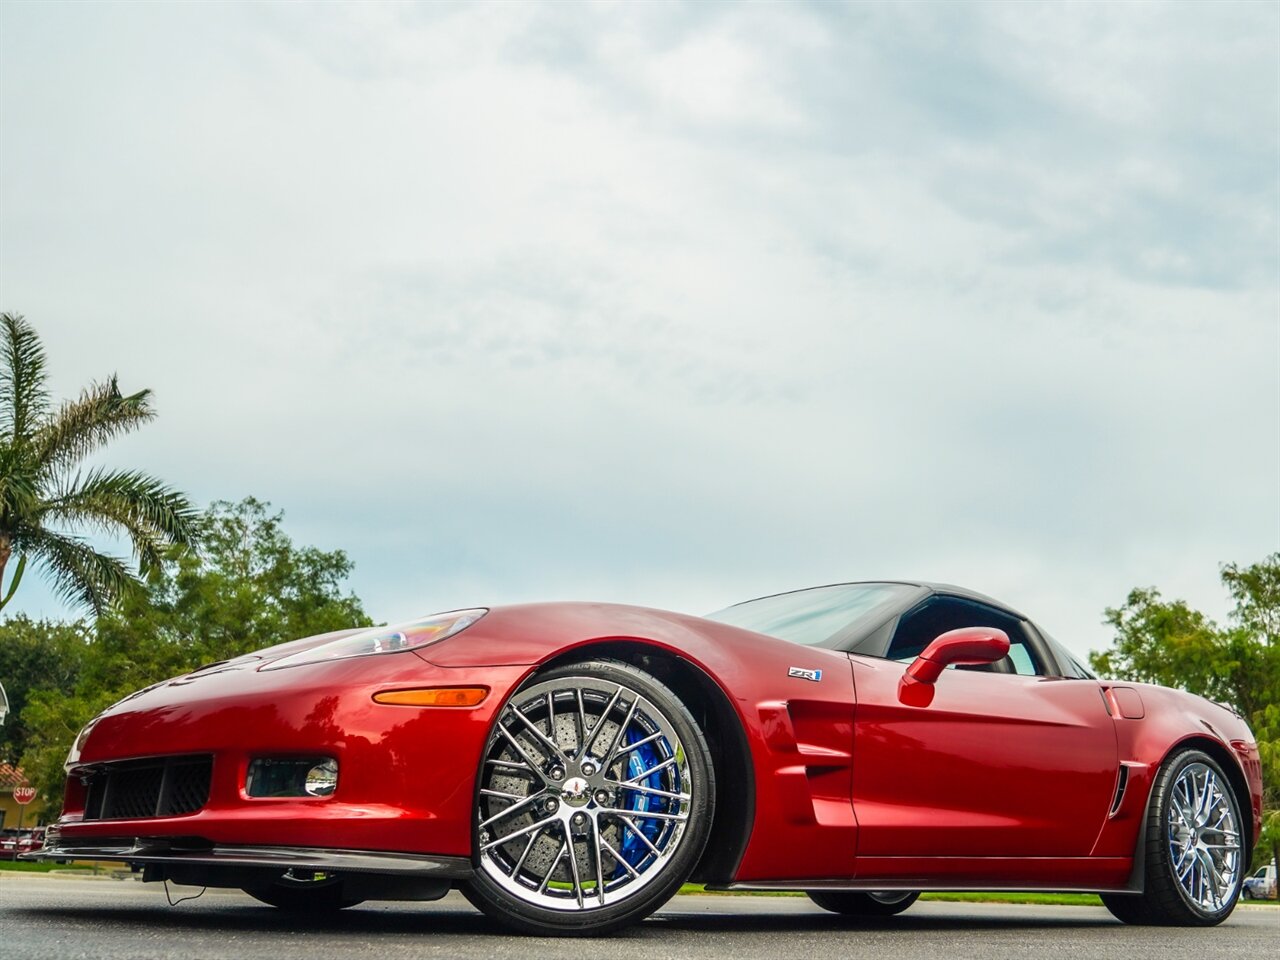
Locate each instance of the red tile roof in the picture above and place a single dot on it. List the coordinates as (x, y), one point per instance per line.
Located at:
(10, 777)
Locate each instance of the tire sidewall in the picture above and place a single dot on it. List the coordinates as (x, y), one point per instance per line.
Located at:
(501, 905)
(859, 903)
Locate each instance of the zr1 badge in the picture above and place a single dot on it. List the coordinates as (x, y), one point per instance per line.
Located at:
(804, 674)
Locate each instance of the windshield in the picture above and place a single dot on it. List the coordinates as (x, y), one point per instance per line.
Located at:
(1071, 666)
(812, 616)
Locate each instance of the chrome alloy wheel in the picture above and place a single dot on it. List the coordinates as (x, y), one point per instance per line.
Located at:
(584, 797)
(1203, 837)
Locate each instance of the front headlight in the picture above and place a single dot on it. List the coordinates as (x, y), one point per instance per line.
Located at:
(390, 639)
(73, 755)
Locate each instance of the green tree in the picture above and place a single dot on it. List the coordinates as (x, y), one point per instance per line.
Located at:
(35, 655)
(48, 502)
(1167, 642)
(250, 587)
(53, 719)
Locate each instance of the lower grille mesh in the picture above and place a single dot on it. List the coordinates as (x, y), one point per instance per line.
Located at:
(155, 787)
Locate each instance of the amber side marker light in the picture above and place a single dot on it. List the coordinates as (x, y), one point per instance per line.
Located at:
(434, 696)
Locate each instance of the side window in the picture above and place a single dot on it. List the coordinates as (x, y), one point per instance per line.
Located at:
(1020, 657)
(919, 626)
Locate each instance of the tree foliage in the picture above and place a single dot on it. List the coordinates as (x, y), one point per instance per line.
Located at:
(48, 502)
(250, 587)
(36, 655)
(1169, 643)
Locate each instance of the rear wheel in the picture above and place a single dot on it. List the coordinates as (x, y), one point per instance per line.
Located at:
(874, 903)
(594, 800)
(303, 892)
(1194, 848)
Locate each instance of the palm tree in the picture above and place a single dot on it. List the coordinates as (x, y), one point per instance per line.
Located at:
(47, 501)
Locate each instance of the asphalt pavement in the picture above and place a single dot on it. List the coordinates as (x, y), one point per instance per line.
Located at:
(43, 916)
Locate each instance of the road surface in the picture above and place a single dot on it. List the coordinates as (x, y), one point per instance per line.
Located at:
(43, 916)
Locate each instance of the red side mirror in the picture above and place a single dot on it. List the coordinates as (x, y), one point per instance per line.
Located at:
(966, 645)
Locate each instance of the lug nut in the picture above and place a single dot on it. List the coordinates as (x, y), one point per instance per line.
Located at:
(557, 773)
(588, 768)
(579, 819)
(552, 805)
(602, 797)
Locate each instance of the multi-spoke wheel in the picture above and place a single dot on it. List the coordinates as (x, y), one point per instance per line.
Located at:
(303, 891)
(594, 800)
(1194, 852)
(873, 903)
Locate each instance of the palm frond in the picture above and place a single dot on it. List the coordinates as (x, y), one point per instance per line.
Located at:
(79, 573)
(19, 497)
(23, 397)
(14, 581)
(45, 506)
(81, 426)
(154, 516)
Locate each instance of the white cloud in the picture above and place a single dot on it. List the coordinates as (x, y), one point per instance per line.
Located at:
(675, 304)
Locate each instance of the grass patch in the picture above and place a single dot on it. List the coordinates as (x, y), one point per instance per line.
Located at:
(27, 866)
(86, 867)
(699, 889)
(1060, 899)
(1056, 899)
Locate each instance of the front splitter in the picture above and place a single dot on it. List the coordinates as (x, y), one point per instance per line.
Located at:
(144, 850)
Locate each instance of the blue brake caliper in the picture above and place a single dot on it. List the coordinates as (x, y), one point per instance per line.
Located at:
(638, 761)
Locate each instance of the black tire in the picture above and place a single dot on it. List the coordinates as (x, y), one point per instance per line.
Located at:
(304, 895)
(1166, 899)
(585, 796)
(1127, 907)
(852, 903)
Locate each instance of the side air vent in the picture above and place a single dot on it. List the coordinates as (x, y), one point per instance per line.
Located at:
(1122, 781)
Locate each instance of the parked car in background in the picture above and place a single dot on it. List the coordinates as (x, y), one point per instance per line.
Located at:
(1262, 884)
(14, 842)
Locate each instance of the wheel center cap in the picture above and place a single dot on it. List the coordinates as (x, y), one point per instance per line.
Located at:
(576, 792)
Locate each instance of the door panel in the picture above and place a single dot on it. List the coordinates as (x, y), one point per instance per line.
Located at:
(997, 765)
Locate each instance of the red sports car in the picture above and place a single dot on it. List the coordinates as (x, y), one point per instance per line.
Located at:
(570, 765)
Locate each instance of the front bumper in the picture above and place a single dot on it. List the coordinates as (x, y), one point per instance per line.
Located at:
(405, 784)
(177, 852)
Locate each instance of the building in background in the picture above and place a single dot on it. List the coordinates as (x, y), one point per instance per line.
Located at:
(11, 779)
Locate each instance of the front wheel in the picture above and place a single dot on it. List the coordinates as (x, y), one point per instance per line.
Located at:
(594, 800)
(875, 903)
(1194, 848)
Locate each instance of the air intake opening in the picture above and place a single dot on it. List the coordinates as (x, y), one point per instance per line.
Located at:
(154, 787)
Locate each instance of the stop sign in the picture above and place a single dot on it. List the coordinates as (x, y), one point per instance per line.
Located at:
(24, 795)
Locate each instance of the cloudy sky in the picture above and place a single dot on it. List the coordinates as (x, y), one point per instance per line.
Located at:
(675, 304)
